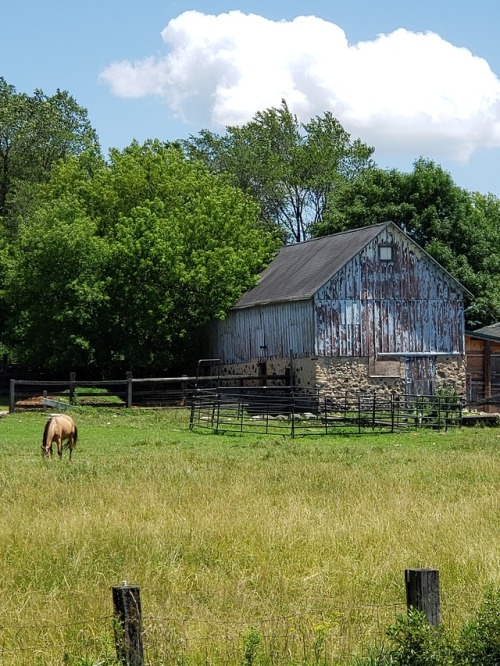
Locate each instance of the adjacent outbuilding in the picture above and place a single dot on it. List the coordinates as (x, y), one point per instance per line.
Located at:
(483, 368)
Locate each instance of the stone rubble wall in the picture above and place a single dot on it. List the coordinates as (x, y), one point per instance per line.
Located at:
(349, 375)
(352, 376)
(451, 374)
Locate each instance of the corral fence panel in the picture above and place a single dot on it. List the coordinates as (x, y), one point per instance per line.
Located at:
(292, 412)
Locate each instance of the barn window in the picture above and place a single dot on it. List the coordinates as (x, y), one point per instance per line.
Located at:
(385, 252)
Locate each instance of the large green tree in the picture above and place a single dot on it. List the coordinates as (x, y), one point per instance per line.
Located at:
(35, 132)
(124, 263)
(458, 228)
(291, 169)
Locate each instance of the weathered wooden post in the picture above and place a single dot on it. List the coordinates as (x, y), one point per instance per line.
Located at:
(128, 624)
(422, 592)
(72, 379)
(129, 389)
(184, 386)
(12, 395)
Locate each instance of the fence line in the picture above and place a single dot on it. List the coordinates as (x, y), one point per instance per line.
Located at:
(329, 635)
(128, 392)
(167, 639)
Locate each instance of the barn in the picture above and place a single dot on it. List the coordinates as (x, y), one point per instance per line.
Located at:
(362, 310)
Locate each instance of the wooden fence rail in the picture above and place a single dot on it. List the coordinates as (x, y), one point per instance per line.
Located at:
(130, 391)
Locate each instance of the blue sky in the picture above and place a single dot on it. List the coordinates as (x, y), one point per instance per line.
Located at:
(409, 78)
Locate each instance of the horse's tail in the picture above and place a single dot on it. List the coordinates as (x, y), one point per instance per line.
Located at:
(76, 436)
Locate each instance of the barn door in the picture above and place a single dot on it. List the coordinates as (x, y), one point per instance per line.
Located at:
(260, 343)
(420, 375)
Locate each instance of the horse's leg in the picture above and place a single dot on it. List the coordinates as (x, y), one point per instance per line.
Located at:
(59, 447)
(71, 441)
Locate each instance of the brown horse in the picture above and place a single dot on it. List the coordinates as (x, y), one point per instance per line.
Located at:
(58, 428)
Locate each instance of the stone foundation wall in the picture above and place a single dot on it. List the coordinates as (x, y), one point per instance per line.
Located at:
(278, 367)
(355, 375)
(349, 375)
(302, 372)
(451, 374)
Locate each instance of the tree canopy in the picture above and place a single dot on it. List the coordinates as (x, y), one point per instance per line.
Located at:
(122, 264)
(291, 169)
(35, 132)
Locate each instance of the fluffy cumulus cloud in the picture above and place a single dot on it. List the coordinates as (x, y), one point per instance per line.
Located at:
(400, 91)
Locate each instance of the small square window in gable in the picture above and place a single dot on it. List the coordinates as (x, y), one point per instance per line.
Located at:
(385, 252)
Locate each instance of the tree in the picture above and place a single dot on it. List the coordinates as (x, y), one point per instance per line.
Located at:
(129, 260)
(461, 230)
(291, 169)
(56, 288)
(35, 132)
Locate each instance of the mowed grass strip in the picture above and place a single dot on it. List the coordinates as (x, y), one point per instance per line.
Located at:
(232, 531)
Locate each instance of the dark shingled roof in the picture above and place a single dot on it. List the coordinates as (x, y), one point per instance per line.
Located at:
(299, 270)
(491, 332)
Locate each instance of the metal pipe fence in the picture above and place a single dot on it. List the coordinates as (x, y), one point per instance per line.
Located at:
(295, 413)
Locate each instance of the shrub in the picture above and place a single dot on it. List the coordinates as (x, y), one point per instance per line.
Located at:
(414, 642)
(479, 640)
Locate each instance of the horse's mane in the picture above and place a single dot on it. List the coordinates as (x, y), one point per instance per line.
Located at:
(45, 431)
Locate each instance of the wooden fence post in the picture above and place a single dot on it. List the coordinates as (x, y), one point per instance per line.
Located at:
(12, 395)
(129, 389)
(422, 592)
(128, 624)
(72, 379)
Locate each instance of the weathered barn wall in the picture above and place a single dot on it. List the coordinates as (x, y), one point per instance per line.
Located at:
(374, 307)
(265, 332)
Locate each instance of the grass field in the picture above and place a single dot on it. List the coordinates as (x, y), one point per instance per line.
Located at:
(245, 547)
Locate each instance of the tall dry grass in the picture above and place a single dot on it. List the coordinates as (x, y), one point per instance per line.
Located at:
(308, 538)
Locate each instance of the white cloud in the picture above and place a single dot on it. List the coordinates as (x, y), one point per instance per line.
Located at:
(400, 91)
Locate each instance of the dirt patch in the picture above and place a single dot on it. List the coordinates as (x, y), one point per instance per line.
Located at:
(35, 401)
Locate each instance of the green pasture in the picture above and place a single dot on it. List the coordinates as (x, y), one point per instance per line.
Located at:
(245, 547)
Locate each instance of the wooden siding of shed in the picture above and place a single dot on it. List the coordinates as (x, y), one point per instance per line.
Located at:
(483, 368)
(271, 331)
(406, 305)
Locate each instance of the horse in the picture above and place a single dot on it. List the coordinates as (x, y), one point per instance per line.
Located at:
(58, 428)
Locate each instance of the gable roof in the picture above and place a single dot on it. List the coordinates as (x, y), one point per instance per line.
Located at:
(299, 270)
